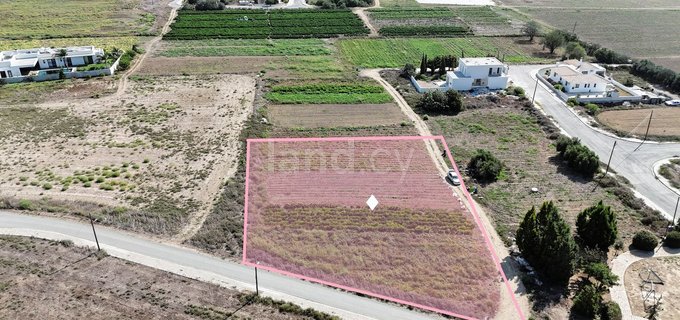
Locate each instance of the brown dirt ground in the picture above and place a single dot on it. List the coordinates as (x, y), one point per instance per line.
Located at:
(664, 123)
(672, 63)
(59, 90)
(177, 135)
(42, 279)
(205, 65)
(668, 270)
(336, 115)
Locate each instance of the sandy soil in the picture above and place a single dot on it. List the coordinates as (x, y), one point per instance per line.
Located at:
(42, 279)
(668, 269)
(335, 115)
(664, 123)
(171, 140)
(205, 65)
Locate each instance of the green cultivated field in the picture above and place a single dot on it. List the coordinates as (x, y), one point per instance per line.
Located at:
(394, 53)
(245, 47)
(38, 19)
(259, 24)
(328, 93)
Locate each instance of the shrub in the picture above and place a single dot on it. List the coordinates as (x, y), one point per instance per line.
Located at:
(484, 166)
(587, 302)
(611, 311)
(450, 102)
(202, 5)
(545, 240)
(572, 101)
(271, 2)
(592, 109)
(672, 239)
(596, 227)
(408, 71)
(645, 240)
(578, 156)
(25, 204)
(47, 186)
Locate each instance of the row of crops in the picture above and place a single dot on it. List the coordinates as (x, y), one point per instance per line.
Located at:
(259, 24)
(468, 14)
(328, 93)
(435, 30)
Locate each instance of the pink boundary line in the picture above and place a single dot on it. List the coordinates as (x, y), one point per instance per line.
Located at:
(475, 215)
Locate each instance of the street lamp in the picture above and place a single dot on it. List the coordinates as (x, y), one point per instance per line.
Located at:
(257, 287)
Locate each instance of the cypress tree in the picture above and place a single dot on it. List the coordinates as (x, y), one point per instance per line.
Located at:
(596, 227)
(423, 64)
(546, 242)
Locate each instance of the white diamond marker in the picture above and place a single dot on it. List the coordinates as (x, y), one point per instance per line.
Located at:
(372, 202)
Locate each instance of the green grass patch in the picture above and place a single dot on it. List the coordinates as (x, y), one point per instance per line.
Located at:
(328, 93)
(248, 47)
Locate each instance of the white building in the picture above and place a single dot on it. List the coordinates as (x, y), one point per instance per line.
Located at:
(18, 63)
(575, 82)
(475, 73)
(585, 67)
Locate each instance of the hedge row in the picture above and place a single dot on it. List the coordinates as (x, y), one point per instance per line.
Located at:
(425, 30)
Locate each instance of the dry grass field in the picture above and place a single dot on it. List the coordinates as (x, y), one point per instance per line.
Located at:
(668, 269)
(42, 279)
(634, 122)
(155, 158)
(162, 66)
(629, 4)
(334, 115)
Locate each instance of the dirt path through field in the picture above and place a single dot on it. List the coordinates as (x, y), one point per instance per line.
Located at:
(361, 12)
(507, 305)
(150, 47)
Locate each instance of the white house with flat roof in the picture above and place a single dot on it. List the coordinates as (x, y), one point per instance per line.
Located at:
(574, 81)
(19, 63)
(473, 73)
(585, 67)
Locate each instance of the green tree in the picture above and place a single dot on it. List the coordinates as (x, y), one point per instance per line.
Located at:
(531, 29)
(553, 40)
(545, 240)
(574, 50)
(596, 227)
(587, 302)
(423, 64)
(408, 71)
(454, 101)
(602, 274)
(484, 166)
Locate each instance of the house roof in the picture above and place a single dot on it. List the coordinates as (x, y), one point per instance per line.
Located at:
(583, 65)
(486, 61)
(564, 71)
(584, 78)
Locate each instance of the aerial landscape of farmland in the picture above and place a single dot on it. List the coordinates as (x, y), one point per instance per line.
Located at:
(294, 159)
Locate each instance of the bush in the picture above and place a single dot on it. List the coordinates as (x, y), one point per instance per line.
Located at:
(645, 240)
(450, 102)
(587, 302)
(611, 311)
(572, 101)
(271, 2)
(47, 186)
(25, 204)
(484, 166)
(203, 5)
(408, 71)
(578, 156)
(592, 109)
(672, 239)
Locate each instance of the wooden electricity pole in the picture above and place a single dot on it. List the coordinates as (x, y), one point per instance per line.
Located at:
(648, 125)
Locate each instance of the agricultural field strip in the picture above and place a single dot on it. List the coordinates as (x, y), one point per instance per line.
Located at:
(244, 47)
(328, 93)
(395, 52)
(477, 15)
(259, 24)
(312, 241)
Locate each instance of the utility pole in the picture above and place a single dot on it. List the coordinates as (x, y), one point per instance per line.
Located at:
(573, 31)
(675, 212)
(95, 233)
(533, 98)
(610, 159)
(257, 287)
(648, 125)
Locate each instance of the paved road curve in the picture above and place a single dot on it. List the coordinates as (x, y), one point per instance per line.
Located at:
(201, 266)
(631, 159)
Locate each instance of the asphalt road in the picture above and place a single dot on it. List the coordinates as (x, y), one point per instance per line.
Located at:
(632, 159)
(351, 306)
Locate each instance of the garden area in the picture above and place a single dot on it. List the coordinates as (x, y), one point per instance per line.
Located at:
(259, 24)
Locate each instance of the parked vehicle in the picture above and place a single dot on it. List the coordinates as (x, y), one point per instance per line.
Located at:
(452, 176)
(672, 103)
